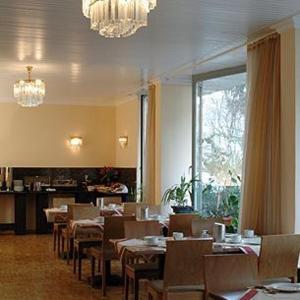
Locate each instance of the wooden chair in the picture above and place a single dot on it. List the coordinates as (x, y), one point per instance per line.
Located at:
(200, 224)
(58, 202)
(113, 229)
(278, 257)
(58, 226)
(112, 200)
(228, 273)
(182, 223)
(73, 208)
(140, 229)
(129, 208)
(85, 212)
(183, 269)
(89, 238)
(80, 245)
(75, 212)
(137, 271)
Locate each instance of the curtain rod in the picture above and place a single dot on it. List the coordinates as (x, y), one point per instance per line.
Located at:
(244, 44)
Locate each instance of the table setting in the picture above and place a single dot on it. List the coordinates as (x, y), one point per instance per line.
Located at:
(80, 226)
(286, 291)
(111, 209)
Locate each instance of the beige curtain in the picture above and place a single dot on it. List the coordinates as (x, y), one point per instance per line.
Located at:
(261, 186)
(149, 173)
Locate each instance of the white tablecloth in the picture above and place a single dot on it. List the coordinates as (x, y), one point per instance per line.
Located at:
(285, 296)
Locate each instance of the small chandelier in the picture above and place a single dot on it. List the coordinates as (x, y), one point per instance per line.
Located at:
(117, 18)
(29, 92)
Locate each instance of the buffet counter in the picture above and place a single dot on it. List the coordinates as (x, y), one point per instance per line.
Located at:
(28, 207)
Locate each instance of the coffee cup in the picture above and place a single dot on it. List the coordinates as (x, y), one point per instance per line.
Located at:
(178, 236)
(248, 233)
(150, 240)
(205, 234)
(237, 238)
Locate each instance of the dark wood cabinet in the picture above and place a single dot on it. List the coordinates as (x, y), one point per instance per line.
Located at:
(20, 213)
(42, 201)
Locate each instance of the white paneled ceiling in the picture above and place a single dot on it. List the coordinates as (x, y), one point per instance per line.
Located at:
(80, 67)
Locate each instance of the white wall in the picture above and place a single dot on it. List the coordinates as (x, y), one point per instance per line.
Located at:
(290, 130)
(176, 133)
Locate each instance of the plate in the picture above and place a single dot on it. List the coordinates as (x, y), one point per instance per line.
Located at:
(150, 244)
(232, 241)
(286, 287)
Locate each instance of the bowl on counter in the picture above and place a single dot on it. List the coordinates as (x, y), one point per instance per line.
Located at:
(90, 188)
(19, 188)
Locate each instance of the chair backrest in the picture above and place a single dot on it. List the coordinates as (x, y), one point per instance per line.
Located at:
(200, 224)
(279, 256)
(114, 227)
(113, 230)
(82, 211)
(58, 202)
(140, 229)
(225, 273)
(129, 208)
(112, 200)
(182, 223)
(184, 262)
(71, 207)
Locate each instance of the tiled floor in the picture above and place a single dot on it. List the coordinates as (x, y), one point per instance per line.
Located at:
(29, 270)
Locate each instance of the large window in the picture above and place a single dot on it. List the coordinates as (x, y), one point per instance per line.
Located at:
(219, 125)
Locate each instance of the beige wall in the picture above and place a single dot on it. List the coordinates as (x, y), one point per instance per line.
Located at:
(127, 124)
(38, 137)
(290, 130)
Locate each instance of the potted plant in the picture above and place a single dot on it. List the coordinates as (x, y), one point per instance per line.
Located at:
(228, 204)
(179, 195)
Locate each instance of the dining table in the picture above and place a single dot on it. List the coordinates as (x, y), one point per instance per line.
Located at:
(61, 213)
(139, 248)
(87, 227)
(253, 294)
(128, 249)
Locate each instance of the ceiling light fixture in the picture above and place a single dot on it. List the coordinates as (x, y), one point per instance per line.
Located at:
(30, 92)
(117, 18)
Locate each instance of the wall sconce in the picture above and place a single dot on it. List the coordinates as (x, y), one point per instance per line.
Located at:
(123, 141)
(76, 142)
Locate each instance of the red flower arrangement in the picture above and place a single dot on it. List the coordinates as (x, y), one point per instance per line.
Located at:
(108, 175)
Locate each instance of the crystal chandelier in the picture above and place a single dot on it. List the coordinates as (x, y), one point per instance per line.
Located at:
(29, 92)
(117, 18)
